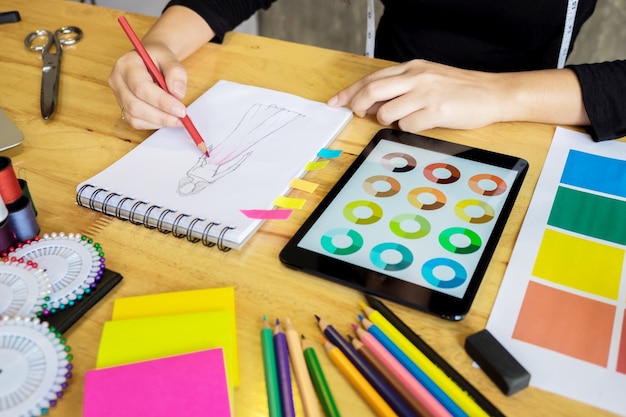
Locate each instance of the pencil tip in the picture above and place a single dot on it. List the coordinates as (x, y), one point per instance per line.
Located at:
(278, 322)
(354, 326)
(362, 305)
(317, 317)
(264, 317)
(302, 337)
(361, 317)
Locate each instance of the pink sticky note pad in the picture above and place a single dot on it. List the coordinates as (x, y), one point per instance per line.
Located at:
(188, 384)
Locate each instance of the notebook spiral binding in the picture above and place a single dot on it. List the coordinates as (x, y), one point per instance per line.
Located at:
(161, 223)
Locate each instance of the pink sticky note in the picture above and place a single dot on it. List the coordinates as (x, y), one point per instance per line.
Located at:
(189, 384)
(275, 214)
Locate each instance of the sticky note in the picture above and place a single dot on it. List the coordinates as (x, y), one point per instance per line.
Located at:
(195, 382)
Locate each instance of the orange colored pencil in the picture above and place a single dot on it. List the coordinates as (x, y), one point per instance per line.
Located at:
(358, 381)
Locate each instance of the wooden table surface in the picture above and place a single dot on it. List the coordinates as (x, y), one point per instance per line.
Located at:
(87, 134)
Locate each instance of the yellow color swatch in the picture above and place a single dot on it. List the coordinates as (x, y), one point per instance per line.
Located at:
(580, 264)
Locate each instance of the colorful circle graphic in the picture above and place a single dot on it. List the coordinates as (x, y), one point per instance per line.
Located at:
(445, 239)
(477, 184)
(488, 211)
(350, 208)
(396, 226)
(388, 162)
(430, 267)
(414, 194)
(356, 241)
(394, 186)
(453, 173)
(376, 256)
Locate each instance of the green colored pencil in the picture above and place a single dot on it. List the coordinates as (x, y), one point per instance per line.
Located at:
(271, 375)
(319, 380)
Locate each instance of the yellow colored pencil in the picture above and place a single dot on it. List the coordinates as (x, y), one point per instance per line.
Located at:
(358, 381)
(447, 385)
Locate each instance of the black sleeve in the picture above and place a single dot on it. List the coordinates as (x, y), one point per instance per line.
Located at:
(223, 15)
(604, 96)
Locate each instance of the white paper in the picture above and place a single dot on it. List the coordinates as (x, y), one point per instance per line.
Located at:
(601, 385)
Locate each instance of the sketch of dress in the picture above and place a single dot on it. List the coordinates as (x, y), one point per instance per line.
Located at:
(259, 122)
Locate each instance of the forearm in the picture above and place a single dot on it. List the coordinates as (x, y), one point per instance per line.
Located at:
(547, 96)
(181, 30)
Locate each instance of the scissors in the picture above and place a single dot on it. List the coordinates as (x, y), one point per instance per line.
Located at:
(44, 41)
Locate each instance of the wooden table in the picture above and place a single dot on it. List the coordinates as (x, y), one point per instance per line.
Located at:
(87, 134)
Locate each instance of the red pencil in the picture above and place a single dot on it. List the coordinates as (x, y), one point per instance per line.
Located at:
(158, 77)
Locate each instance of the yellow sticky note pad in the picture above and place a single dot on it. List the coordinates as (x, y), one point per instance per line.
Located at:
(140, 339)
(180, 303)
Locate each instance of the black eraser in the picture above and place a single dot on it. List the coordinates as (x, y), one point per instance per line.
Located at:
(499, 365)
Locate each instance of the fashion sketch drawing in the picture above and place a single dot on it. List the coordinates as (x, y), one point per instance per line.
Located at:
(258, 123)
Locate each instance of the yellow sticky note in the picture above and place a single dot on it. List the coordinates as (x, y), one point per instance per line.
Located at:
(140, 339)
(182, 302)
(289, 202)
(312, 166)
(303, 185)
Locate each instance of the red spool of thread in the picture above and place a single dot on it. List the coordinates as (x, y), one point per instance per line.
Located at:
(10, 189)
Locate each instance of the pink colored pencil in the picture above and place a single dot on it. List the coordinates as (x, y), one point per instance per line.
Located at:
(429, 402)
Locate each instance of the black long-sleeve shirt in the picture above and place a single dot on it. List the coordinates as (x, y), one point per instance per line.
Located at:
(485, 35)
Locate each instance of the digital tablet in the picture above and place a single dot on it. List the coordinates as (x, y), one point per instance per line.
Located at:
(414, 219)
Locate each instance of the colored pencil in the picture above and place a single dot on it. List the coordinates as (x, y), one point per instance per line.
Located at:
(319, 380)
(305, 385)
(394, 401)
(389, 377)
(431, 406)
(412, 367)
(433, 356)
(158, 78)
(358, 381)
(271, 377)
(284, 371)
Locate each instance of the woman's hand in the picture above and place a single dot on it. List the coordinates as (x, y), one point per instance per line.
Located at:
(144, 104)
(178, 33)
(421, 95)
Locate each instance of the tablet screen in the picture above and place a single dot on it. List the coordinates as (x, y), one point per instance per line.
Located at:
(414, 219)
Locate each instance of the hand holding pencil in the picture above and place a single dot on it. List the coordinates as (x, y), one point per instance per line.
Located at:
(158, 78)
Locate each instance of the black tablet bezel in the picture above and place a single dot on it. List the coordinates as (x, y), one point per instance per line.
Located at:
(386, 286)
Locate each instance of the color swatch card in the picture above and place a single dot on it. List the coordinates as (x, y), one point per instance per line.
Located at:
(134, 340)
(561, 309)
(191, 384)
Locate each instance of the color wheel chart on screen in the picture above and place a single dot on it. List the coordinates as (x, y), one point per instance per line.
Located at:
(561, 309)
(417, 215)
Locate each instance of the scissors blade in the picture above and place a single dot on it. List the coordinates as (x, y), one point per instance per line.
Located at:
(49, 84)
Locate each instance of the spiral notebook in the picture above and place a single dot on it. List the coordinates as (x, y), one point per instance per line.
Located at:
(259, 140)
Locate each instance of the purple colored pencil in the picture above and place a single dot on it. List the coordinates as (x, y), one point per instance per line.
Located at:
(281, 351)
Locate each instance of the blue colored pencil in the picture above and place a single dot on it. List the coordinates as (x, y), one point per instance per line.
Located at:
(284, 372)
(415, 370)
(385, 391)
